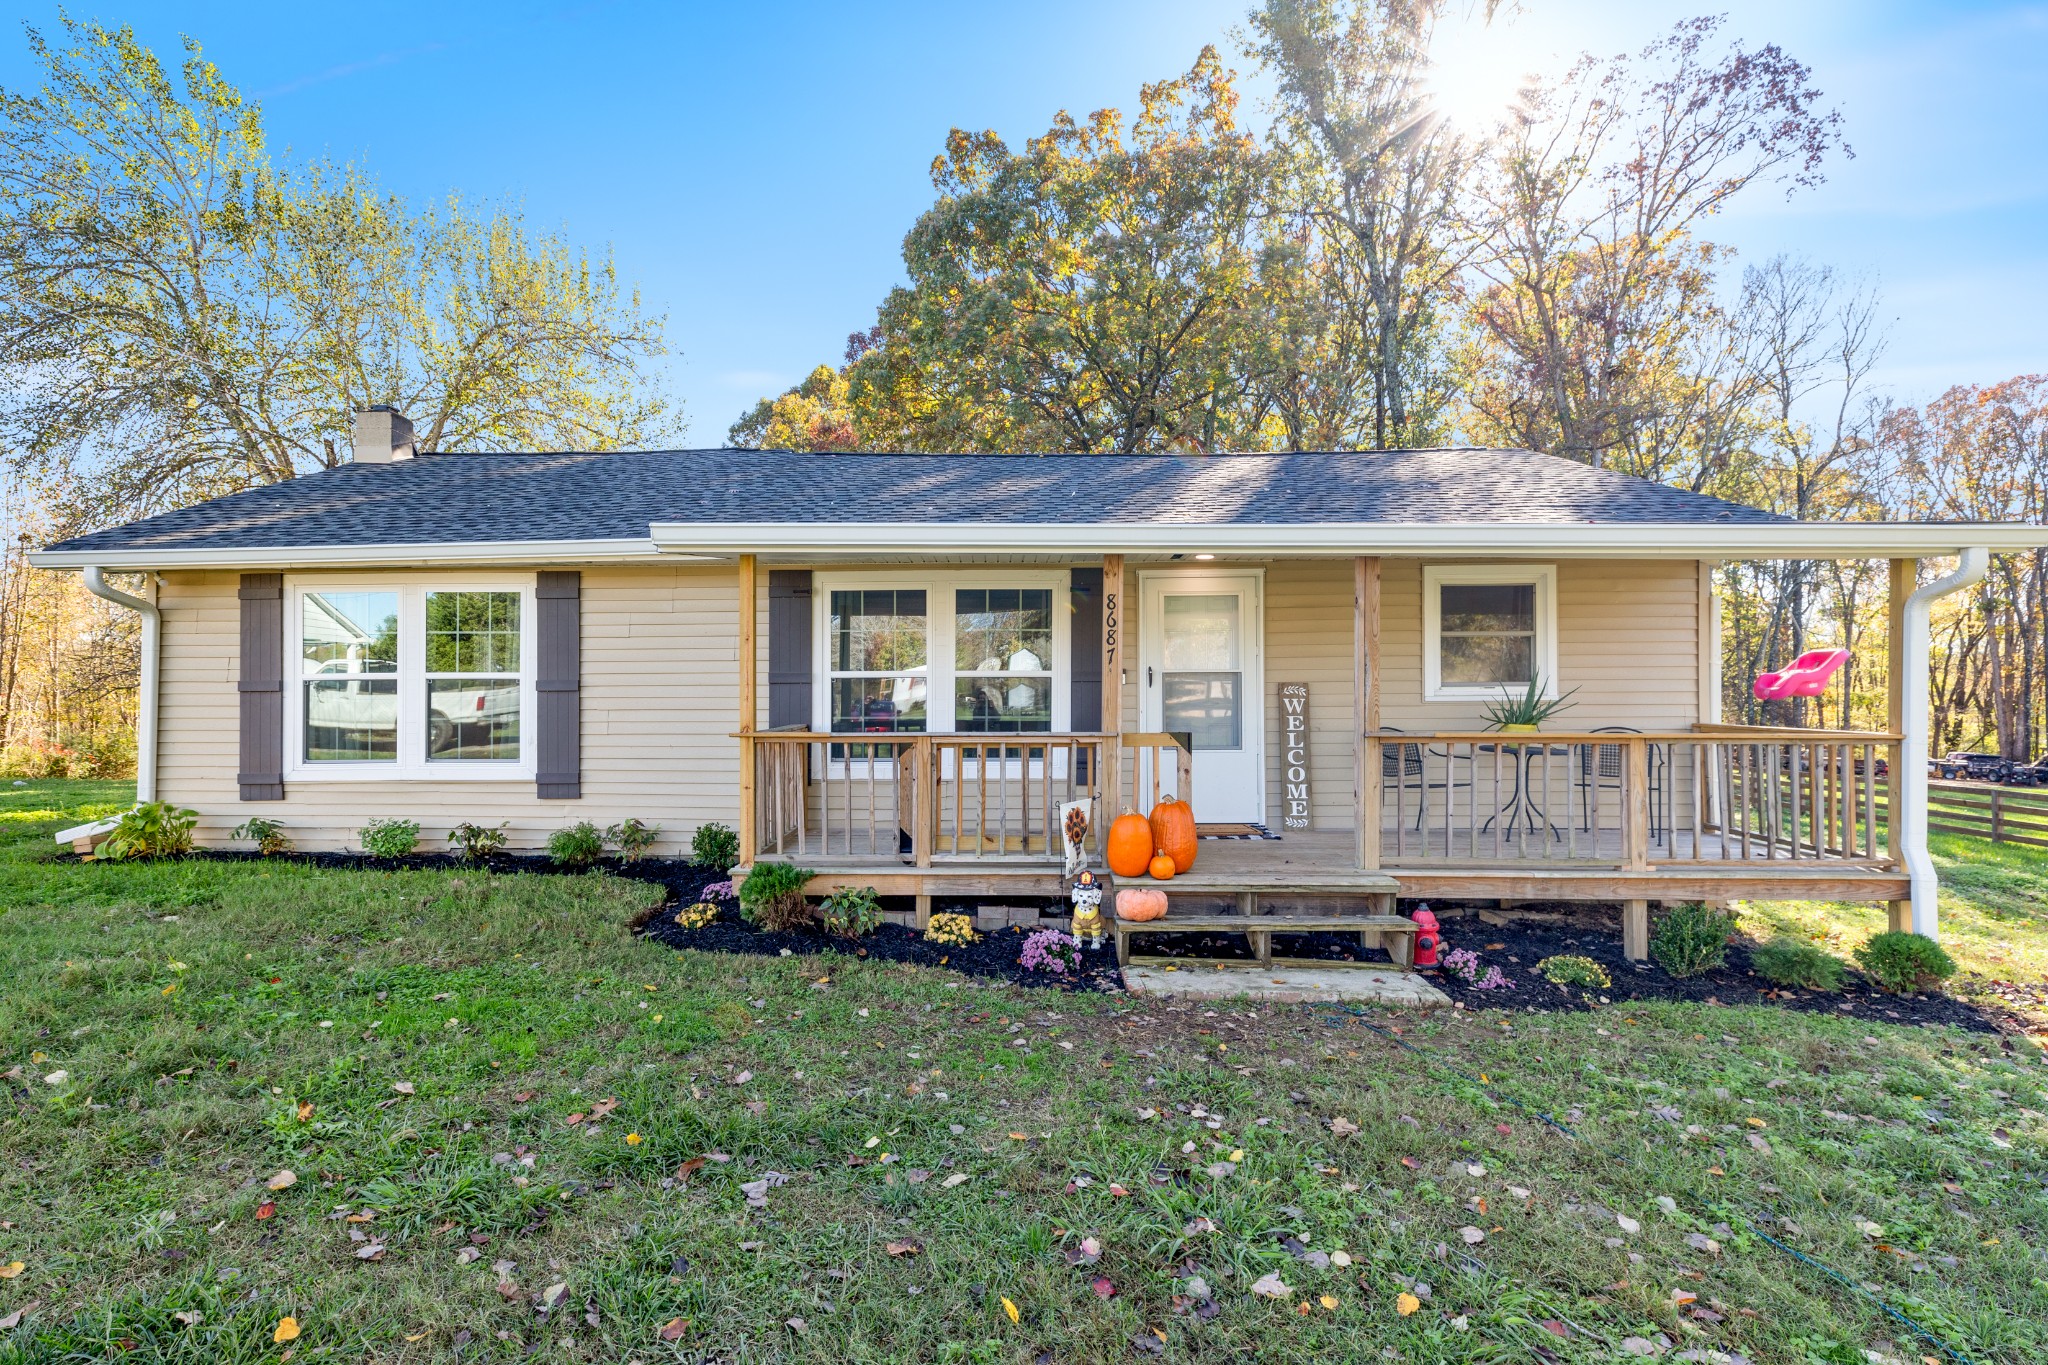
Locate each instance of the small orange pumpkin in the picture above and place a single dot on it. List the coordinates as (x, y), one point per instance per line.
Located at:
(1173, 832)
(1161, 868)
(1130, 845)
(1139, 904)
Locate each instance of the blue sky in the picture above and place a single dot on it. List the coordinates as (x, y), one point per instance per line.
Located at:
(754, 167)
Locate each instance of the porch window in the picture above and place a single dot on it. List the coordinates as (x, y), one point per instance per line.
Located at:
(420, 675)
(879, 681)
(1488, 630)
(1002, 660)
(930, 651)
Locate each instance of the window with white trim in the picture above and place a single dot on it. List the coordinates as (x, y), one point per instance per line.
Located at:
(917, 652)
(1488, 629)
(411, 679)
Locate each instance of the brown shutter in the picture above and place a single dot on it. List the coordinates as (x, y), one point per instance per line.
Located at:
(558, 687)
(261, 686)
(1084, 659)
(789, 648)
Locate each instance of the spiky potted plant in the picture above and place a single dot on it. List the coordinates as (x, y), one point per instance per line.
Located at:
(1525, 714)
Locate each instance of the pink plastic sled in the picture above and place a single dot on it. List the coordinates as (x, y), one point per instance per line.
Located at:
(1807, 676)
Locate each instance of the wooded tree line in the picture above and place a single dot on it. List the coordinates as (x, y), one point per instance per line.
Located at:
(1361, 271)
(183, 314)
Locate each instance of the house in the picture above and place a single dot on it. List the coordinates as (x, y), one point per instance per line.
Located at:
(896, 669)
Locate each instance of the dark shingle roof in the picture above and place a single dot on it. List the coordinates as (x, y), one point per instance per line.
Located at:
(451, 499)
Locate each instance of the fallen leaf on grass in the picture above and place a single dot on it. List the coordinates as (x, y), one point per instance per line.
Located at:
(688, 1169)
(465, 1255)
(13, 1320)
(909, 1246)
(552, 1296)
(1628, 1224)
(1406, 1304)
(305, 1111)
(370, 1251)
(267, 1209)
(673, 1329)
(1555, 1328)
(602, 1109)
(1472, 1236)
(797, 1325)
(1103, 1288)
(1087, 1253)
(1011, 1310)
(1328, 1301)
(283, 1180)
(1272, 1287)
(287, 1330)
(957, 1178)
(1342, 1127)
(402, 1087)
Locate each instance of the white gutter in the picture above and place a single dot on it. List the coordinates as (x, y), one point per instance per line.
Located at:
(406, 556)
(1910, 824)
(145, 706)
(1561, 540)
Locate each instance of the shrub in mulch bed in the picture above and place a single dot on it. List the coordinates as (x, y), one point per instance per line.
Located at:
(1517, 947)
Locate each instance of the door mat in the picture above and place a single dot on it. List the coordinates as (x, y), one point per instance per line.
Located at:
(1244, 830)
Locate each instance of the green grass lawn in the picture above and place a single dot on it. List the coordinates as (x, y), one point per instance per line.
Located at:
(517, 1132)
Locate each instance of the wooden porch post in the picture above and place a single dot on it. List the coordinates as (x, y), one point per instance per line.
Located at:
(1635, 811)
(1365, 706)
(1905, 577)
(1112, 688)
(749, 701)
(1635, 930)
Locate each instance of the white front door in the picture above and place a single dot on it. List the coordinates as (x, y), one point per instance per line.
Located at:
(1200, 637)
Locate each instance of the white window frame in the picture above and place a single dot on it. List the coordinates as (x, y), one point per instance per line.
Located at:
(940, 675)
(1542, 577)
(412, 763)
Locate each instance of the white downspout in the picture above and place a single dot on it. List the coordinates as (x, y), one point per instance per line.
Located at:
(1910, 827)
(145, 706)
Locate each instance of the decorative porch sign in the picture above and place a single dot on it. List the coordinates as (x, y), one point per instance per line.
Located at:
(1294, 807)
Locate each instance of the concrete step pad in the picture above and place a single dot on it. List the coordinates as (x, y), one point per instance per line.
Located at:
(1386, 986)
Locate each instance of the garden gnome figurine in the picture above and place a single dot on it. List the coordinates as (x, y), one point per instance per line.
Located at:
(1087, 898)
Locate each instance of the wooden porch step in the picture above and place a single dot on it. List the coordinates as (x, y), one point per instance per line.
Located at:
(1259, 929)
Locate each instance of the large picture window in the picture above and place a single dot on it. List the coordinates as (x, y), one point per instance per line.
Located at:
(1488, 629)
(397, 679)
(909, 652)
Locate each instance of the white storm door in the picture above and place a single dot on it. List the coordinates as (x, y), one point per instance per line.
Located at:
(1200, 639)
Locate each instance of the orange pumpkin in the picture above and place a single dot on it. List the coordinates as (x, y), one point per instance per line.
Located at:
(1161, 868)
(1139, 904)
(1130, 845)
(1173, 832)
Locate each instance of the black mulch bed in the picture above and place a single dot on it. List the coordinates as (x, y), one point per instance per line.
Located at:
(1515, 947)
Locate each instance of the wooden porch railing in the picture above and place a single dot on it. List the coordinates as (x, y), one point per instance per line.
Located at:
(914, 797)
(1630, 800)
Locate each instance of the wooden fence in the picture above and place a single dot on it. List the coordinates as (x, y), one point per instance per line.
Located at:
(2004, 815)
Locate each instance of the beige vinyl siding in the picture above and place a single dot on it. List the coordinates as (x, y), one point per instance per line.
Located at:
(660, 695)
(1628, 641)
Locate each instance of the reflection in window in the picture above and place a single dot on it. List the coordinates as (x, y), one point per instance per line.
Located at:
(1002, 660)
(878, 659)
(1487, 635)
(472, 652)
(348, 652)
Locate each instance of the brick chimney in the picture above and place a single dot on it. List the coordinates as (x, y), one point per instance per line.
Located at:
(382, 435)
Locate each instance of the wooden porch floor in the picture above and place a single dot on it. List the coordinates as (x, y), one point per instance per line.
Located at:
(1321, 864)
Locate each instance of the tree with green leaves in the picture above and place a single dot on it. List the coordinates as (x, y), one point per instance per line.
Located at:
(180, 317)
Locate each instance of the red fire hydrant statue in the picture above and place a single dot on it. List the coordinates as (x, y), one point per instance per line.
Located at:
(1427, 938)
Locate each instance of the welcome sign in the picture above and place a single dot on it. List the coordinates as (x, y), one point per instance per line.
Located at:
(1294, 806)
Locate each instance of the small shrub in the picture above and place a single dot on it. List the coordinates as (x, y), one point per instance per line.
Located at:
(1901, 962)
(154, 829)
(1462, 964)
(478, 842)
(633, 838)
(1569, 969)
(715, 846)
(851, 912)
(772, 896)
(389, 838)
(1053, 951)
(953, 930)
(698, 915)
(579, 846)
(268, 835)
(1789, 961)
(1692, 938)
